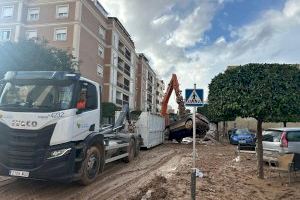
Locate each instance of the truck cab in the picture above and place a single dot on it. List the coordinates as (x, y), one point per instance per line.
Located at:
(50, 128)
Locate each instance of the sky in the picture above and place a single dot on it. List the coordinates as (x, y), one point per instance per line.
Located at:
(198, 39)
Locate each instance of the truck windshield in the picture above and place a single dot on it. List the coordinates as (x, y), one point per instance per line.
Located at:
(37, 96)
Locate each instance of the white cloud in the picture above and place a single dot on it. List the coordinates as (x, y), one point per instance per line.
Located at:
(192, 28)
(273, 37)
(163, 19)
(220, 40)
(292, 8)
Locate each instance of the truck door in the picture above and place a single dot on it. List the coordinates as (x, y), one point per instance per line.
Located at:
(87, 118)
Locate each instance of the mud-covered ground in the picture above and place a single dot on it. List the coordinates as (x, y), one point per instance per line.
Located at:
(164, 173)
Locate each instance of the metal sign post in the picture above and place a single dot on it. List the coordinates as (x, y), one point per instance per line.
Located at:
(193, 178)
(194, 98)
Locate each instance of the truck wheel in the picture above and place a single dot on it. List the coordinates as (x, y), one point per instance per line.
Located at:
(91, 165)
(189, 124)
(167, 134)
(131, 151)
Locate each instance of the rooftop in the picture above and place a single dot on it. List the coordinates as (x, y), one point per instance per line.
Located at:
(100, 8)
(141, 55)
(122, 28)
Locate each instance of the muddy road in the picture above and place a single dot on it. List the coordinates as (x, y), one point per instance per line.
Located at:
(118, 181)
(164, 173)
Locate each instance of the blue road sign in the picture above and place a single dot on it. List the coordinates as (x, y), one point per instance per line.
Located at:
(194, 97)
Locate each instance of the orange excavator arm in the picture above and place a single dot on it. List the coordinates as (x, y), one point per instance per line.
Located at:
(173, 85)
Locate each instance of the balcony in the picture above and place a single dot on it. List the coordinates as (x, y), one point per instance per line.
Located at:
(127, 54)
(119, 101)
(127, 72)
(120, 85)
(128, 57)
(126, 87)
(121, 51)
(125, 102)
(127, 69)
(150, 89)
(120, 67)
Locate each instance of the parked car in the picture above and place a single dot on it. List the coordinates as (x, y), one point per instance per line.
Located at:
(244, 137)
(181, 128)
(281, 141)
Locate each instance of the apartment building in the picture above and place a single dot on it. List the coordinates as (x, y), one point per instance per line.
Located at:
(120, 66)
(77, 26)
(146, 85)
(101, 44)
(159, 96)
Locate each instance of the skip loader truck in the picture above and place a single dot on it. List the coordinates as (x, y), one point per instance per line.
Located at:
(50, 128)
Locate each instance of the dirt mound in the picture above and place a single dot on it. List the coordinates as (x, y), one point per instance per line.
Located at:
(154, 190)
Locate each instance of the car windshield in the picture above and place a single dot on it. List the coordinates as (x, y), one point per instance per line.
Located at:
(242, 131)
(37, 96)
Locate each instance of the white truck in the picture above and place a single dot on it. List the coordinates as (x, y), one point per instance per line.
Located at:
(50, 128)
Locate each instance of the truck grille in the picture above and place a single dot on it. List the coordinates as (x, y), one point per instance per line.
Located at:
(24, 149)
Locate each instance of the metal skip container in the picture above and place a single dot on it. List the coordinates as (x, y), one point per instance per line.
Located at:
(151, 127)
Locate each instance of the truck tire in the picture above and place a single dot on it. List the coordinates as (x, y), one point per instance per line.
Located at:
(189, 124)
(167, 134)
(131, 151)
(92, 164)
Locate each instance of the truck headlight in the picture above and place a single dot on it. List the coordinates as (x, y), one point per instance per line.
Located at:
(59, 153)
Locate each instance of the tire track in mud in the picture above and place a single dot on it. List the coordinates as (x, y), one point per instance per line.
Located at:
(115, 178)
(121, 187)
(121, 175)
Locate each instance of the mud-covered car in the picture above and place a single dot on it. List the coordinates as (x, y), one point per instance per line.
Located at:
(181, 128)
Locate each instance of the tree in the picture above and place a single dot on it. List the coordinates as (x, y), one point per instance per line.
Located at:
(285, 119)
(217, 99)
(28, 55)
(266, 92)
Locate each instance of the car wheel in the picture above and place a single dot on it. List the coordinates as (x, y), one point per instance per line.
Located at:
(92, 164)
(179, 140)
(131, 151)
(189, 124)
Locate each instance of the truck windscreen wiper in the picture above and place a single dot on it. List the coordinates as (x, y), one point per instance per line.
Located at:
(10, 105)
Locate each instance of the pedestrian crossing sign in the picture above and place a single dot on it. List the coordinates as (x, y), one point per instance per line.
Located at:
(194, 97)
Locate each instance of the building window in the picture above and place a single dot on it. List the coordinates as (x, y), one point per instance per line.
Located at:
(101, 51)
(62, 11)
(7, 12)
(33, 14)
(100, 70)
(31, 35)
(60, 34)
(101, 32)
(5, 35)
